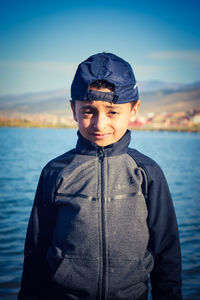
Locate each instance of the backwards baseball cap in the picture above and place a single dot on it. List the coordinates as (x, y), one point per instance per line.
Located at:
(109, 67)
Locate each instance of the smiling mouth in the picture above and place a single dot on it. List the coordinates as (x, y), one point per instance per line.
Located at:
(101, 135)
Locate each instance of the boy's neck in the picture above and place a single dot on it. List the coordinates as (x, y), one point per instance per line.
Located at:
(85, 146)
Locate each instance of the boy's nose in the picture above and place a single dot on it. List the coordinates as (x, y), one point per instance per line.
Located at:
(99, 122)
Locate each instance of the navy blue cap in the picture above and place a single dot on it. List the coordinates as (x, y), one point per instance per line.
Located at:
(109, 67)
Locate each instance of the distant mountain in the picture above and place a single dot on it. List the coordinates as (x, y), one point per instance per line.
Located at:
(52, 102)
(183, 98)
(156, 96)
(156, 85)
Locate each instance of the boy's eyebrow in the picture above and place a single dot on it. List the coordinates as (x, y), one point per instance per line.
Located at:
(113, 106)
(87, 106)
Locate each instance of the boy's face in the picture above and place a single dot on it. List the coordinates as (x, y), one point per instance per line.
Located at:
(101, 122)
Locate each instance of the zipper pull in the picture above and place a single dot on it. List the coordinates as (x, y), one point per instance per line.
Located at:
(101, 154)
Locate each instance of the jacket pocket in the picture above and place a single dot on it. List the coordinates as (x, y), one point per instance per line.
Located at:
(62, 272)
(77, 276)
(126, 279)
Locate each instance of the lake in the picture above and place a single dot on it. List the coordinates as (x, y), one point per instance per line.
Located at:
(24, 152)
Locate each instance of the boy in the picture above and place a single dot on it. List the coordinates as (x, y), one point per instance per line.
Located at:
(102, 218)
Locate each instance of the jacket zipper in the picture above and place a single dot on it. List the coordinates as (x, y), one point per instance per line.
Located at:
(101, 155)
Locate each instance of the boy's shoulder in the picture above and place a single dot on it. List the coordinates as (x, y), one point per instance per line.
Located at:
(150, 166)
(56, 165)
(141, 158)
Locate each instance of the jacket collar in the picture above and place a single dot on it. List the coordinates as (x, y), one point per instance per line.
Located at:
(84, 146)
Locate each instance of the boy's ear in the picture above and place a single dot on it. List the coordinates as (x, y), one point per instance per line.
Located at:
(72, 104)
(134, 111)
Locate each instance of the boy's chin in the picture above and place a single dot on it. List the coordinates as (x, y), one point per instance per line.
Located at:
(104, 143)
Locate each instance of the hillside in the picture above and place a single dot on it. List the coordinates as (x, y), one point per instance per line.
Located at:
(183, 99)
(52, 102)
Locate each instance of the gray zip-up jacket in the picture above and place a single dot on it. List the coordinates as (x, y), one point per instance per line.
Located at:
(102, 220)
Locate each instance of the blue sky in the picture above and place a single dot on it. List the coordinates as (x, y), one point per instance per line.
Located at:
(42, 42)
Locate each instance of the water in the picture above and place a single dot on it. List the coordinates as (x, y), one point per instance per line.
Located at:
(23, 153)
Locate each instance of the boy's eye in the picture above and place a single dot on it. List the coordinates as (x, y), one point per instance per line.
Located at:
(87, 112)
(113, 113)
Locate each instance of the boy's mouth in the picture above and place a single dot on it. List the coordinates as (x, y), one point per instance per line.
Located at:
(101, 135)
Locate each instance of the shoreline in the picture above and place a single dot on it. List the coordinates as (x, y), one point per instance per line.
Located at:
(193, 129)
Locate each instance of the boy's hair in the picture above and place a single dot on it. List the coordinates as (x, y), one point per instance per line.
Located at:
(105, 67)
(102, 84)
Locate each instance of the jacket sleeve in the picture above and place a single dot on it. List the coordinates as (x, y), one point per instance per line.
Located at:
(39, 232)
(164, 238)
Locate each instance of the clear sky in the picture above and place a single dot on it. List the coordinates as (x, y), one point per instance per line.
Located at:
(42, 42)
